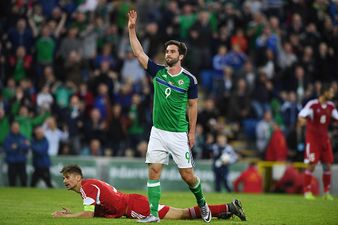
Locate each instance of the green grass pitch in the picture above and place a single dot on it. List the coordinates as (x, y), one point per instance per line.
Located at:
(34, 206)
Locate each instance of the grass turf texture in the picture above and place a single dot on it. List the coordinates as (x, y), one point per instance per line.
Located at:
(34, 206)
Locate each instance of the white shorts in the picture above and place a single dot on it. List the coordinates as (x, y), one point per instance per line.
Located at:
(162, 143)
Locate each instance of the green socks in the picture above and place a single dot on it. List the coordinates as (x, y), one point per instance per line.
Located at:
(197, 191)
(154, 195)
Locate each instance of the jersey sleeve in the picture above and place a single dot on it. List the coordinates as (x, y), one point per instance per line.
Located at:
(335, 114)
(306, 111)
(153, 68)
(193, 89)
(90, 195)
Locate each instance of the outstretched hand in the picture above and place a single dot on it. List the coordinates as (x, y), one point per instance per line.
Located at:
(132, 17)
(61, 213)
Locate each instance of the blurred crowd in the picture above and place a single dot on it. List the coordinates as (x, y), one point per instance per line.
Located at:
(66, 66)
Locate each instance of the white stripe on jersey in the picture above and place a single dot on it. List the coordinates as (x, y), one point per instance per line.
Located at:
(188, 73)
(98, 202)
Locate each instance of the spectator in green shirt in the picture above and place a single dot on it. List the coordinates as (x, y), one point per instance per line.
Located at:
(27, 121)
(4, 126)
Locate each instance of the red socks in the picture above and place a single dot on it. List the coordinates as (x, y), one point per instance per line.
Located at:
(326, 180)
(216, 210)
(307, 181)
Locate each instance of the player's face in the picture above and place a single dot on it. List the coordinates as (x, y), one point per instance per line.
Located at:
(172, 56)
(71, 181)
(329, 94)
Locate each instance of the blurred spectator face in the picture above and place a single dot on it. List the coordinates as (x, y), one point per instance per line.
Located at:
(136, 99)
(187, 9)
(23, 111)
(308, 52)
(21, 25)
(104, 66)
(296, 20)
(221, 140)
(106, 49)
(48, 70)
(80, 17)
(95, 147)
(11, 83)
(292, 96)
(287, 47)
(117, 109)
(83, 88)
(52, 24)
(248, 66)
(45, 31)
(19, 92)
(103, 89)
(203, 17)
(15, 128)
(51, 123)
(39, 133)
(209, 104)
(222, 50)
(74, 57)
(45, 89)
(311, 28)
(241, 85)
(74, 101)
(72, 32)
(229, 9)
(142, 148)
(95, 114)
(227, 72)
(172, 6)
(236, 48)
(267, 116)
(323, 49)
(274, 22)
(20, 52)
(299, 73)
(152, 28)
(56, 13)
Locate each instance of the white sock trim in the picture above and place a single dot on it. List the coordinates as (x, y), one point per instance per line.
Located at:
(153, 184)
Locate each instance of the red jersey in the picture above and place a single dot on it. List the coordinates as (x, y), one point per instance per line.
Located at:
(318, 117)
(251, 179)
(107, 200)
(110, 203)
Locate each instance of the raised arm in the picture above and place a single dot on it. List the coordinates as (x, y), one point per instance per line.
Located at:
(134, 42)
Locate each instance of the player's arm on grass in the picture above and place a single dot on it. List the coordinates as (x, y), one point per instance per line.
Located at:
(134, 42)
(87, 213)
(192, 115)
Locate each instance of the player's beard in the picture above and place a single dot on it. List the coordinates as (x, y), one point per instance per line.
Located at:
(171, 61)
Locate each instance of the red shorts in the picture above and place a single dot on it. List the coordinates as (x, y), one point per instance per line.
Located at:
(318, 150)
(138, 207)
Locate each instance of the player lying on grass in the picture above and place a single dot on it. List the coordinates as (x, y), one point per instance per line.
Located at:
(103, 200)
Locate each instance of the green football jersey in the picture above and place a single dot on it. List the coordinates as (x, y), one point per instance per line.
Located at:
(171, 95)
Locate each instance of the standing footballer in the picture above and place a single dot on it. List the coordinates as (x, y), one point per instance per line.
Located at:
(316, 115)
(174, 90)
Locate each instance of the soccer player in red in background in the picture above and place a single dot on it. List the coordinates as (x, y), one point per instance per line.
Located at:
(316, 115)
(250, 179)
(103, 200)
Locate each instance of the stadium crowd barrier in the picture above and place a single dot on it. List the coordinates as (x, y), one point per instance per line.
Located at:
(131, 174)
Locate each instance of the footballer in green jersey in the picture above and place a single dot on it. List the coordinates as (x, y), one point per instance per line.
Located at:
(171, 94)
(175, 99)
